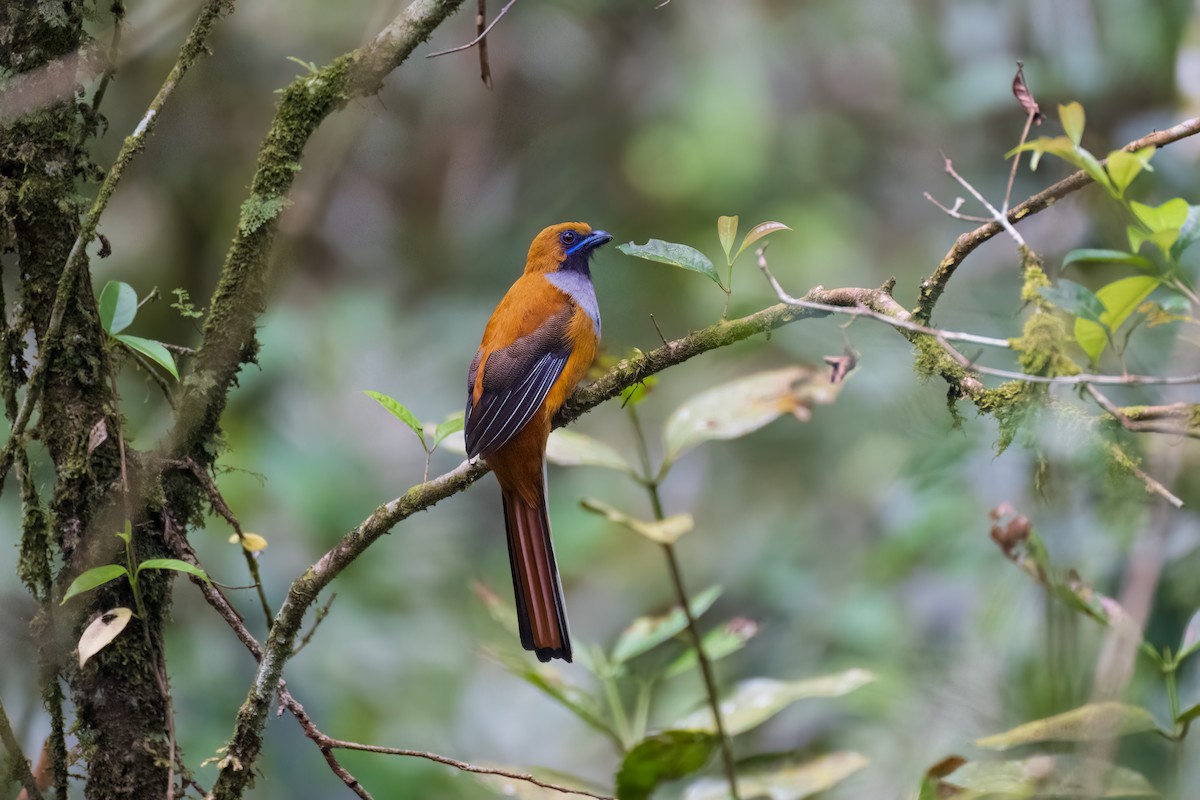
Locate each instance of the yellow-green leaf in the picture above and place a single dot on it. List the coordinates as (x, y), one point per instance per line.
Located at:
(1042, 776)
(400, 412)
(727, 232)
(646, 633)
(451, 424)
(1122, 169)
(742, 406)
(664, 531)
(1089, 723)
(1171, 214)
(759, 231)
(570, 449)
(756, 700)
(1073, 120)
(782, 777)
(251, 542)
(101, 631)
(173, 564)
(1120, 299)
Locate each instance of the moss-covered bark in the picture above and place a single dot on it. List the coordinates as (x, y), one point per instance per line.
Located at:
(42, 159)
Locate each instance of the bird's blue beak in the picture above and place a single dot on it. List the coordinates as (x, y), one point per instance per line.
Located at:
(591, 242)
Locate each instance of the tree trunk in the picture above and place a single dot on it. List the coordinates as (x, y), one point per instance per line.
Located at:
(119, 693)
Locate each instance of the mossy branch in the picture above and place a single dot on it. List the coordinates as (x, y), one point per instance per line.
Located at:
(228, 339)
(193, 47)
(933, 286)
(246, 742)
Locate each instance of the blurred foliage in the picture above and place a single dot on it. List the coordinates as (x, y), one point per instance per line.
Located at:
(857, 540)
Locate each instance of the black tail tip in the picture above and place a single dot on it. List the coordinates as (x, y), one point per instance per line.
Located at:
(544, 654)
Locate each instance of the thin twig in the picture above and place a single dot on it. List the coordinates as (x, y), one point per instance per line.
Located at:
(321, 614)
(860, 310)
(661, 338)
(323, 743)
(478, 38)
(1151, 484)
(863, 311)
(954, 211)
(485, 68)
(933, 286)
(1012, 174)
(19, 763)
(1144, 425)
(996, 215)
(221, 507)
(110, 66)
(650, 481)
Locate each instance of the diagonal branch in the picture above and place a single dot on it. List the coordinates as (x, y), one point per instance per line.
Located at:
(240, 296)
(20, 764)
(933, 286)
(246, 742)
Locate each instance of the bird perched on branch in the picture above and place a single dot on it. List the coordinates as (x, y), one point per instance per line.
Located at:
(540, 341)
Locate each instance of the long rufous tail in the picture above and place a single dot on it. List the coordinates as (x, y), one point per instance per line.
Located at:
(541, 613)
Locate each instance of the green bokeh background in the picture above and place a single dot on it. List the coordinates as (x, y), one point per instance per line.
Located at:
(856, 539)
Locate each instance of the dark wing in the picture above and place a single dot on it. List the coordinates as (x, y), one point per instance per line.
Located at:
(515, 380)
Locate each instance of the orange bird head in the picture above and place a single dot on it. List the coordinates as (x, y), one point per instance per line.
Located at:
(566, 245)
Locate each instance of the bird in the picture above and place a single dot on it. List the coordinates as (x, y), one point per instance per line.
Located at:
(537, 345)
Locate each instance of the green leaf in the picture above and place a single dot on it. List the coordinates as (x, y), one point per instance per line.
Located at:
(727, 232)
(451, 424)
(90, 579)
(781, 777)
(1092, 166)
(646, 633)
(1164, 223)
(1120, 299)
(1188, 715)
(742, 406)
(1059, 146)
(1096, 256)
(665, 756)
(397, 410)
(1076, 299)
(718, 643)
(1089, 723)
(756, 700)
(101, 631)
(1189, 233)
(666, 531)
(1072, 117)
(152, 350)
(758, 232)
(175, 564)
(677, 255)
(550, 682)
(1170, 215)
(570, 449)
(1046, 776)
(1123, 167)
(118, 306)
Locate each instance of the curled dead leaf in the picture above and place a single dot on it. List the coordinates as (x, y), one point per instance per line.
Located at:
(100, 633)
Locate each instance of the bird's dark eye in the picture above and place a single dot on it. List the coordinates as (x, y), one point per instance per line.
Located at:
(567, 237)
